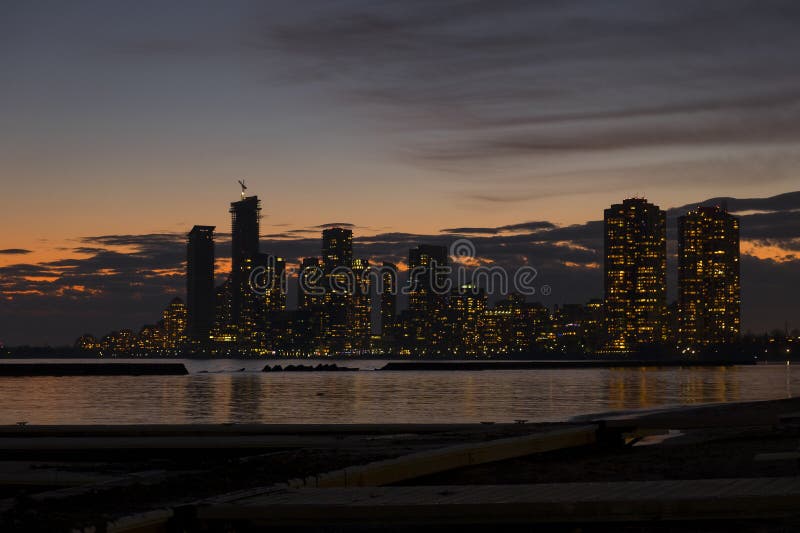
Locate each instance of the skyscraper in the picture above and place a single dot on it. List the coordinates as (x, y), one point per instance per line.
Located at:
(635, 274)
(200, 282)
(337, 248)
(427, 303)
(275, 278)
(245, 216)
(388, 290)
(360, 315)
(466, 307)
(309, 279)
(708, 277)
(337, 260)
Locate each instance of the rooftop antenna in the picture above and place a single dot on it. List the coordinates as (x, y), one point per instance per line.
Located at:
(244, 187)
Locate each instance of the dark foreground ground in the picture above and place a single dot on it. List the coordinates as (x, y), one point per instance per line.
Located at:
(174, 478)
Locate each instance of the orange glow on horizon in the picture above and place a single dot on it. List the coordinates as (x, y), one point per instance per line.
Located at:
(766, 251)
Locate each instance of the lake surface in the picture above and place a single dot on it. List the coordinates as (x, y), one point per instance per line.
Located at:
(218, 392)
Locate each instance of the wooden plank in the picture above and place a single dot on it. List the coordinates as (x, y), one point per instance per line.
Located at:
(429, 462)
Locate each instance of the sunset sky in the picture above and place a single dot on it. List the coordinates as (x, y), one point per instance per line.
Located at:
(125, 123)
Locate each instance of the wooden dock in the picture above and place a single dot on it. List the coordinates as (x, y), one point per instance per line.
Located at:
(642, 501)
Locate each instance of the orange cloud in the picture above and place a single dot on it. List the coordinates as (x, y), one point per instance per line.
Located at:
(768, 251)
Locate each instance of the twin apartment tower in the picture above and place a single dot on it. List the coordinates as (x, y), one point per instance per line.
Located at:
(708, 307)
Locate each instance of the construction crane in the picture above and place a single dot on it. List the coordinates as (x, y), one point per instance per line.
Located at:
(244, 187)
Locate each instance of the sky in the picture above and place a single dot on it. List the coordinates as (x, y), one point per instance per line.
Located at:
(125, 123)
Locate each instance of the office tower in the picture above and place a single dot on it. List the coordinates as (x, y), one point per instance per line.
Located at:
(263, 294)
(337, 248)
(635, 274)
(388, 288)
(337, 259)
(309, 280)
(245, 216)
(275, 280)
(175, 321)
(250, 311)
(224, 329)
(428, 288)
(200, 282)
(360, 315)
(466, 307)
(708, 277)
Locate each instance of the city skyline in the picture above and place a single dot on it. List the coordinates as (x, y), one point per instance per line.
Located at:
(511, 123)
(755, 209)
(339, 296)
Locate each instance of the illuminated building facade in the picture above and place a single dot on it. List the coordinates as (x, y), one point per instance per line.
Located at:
(224, 330)
(635, 275)
(466, 308)
(428, 327)
(275, 290)
(360, 311)
(175, 321)
(337, 259)
(510, 326)
(708, 277)
(308, 280)
(578, 328)
(337, 248)
(388, 290)
(200, 282)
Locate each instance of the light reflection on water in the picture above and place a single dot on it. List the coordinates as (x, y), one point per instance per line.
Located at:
(222, 395)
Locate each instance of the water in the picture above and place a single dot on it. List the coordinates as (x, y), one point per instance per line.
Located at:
(222, 394)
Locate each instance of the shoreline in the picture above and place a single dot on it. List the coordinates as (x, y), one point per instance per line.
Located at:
(209, 468)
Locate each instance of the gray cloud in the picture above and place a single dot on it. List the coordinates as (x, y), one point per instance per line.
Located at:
(524, 226)
(483, 83)
(14, 251)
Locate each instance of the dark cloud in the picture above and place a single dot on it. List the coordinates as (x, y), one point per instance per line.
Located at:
(14, 251)
(151, 239)
(524, 226)
(477, 81)
(789, 201)
(336, 225)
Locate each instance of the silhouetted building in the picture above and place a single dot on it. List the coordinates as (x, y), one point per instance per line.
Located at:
(635, 274)
(466, 307)
(224, 330)
(337, 260)
(428, 288)
(245, 217)
(388, 288)
(578, 328)
(360, 316)
(200, 282)
(275, 279)
(337, 248)
(708, 277)
(309, 280)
